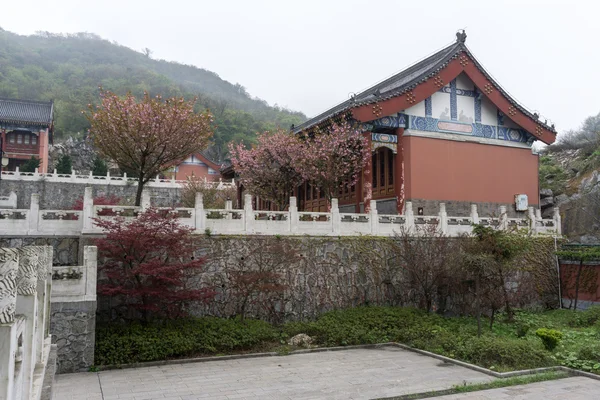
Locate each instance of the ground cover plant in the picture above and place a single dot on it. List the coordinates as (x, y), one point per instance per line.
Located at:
(503, 347)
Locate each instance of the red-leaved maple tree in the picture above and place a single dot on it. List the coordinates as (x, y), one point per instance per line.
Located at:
(148, 263)
(147, 137)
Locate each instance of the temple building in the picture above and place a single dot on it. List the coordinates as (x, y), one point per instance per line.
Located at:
(442, 130)
(198, 166)
(26, 129)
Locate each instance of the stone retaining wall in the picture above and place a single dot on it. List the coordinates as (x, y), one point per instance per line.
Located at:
(73, 328)
(62, 195)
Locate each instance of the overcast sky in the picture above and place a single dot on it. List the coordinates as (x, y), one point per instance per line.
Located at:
(309, 55)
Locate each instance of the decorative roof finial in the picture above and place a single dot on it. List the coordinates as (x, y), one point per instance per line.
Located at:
(461, 36)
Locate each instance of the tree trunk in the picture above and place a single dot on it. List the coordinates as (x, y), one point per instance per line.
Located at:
(577, 279)
(478, 306)
(510, 315)
(492, 318)
(140, 189)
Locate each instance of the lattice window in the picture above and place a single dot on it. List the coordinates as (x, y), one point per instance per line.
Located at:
(383, 173)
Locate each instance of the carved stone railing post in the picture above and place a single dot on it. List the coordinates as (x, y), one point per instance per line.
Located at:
(49, 262)
(200, 217)
(410, 217)
(34, 214)
(443, 223)
(474, 214)
(374, 218)
(90, 263)
(43, 300)
(293, 215)
(9, 266)
(503, 218)
(532, 221)
(557, 220)
(228, 207)
(88, 210)
(145, 200)
(27, 306)
(336, 221)
(248, 214)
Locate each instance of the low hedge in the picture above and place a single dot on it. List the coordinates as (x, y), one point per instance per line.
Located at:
(453, 337)
(117, 345)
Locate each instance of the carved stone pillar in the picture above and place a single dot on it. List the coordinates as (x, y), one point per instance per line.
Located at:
(9, 265)
(28, 271)
(43, 300)
(27, 306)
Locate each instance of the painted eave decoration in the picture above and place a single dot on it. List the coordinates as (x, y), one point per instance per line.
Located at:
(420, 81)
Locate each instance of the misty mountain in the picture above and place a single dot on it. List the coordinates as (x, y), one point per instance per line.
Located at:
(69, 68)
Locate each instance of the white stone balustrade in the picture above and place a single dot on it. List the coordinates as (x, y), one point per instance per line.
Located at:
(249, 221)
(25, 285)
(77, 283)
(107, 179)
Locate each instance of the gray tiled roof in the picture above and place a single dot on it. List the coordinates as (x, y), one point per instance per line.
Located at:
(407, 80)
(26, 112)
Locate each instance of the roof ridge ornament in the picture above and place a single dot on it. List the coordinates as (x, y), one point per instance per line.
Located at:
(461, 36)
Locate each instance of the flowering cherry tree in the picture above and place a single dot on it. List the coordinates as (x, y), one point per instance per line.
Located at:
(334, 158)
(270, 168)
(148, 136)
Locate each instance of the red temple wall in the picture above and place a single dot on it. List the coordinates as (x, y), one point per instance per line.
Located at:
(437, 169)
(589, 281)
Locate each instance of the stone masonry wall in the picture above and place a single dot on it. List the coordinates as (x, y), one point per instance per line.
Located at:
(73, 330)
(61, 195)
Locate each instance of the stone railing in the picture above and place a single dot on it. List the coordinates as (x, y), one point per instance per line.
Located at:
(90, 179)
(25, 286)
(34, 221)
(248, 221)
(73, 311)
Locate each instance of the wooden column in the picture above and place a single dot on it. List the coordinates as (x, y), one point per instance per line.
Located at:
(367, 181)
(358, 192)
(399, 171)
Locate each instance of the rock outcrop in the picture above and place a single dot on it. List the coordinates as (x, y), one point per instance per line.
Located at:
(81, 151)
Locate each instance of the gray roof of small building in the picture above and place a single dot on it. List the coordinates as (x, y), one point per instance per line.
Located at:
(407, 80)
(26, 112)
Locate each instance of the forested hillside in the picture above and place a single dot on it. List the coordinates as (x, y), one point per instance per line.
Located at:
(69, 69)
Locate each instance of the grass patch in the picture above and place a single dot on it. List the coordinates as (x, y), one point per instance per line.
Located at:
(496, 384)
(508, 346)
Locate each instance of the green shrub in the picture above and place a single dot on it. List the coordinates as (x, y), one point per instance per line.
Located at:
(550, 337)
(502, 353)
(522, 329)
(180, 338)
(586, 318)
(591, 353)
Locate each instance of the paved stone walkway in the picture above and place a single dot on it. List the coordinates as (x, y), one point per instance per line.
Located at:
(575, 388)
(346, 374)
